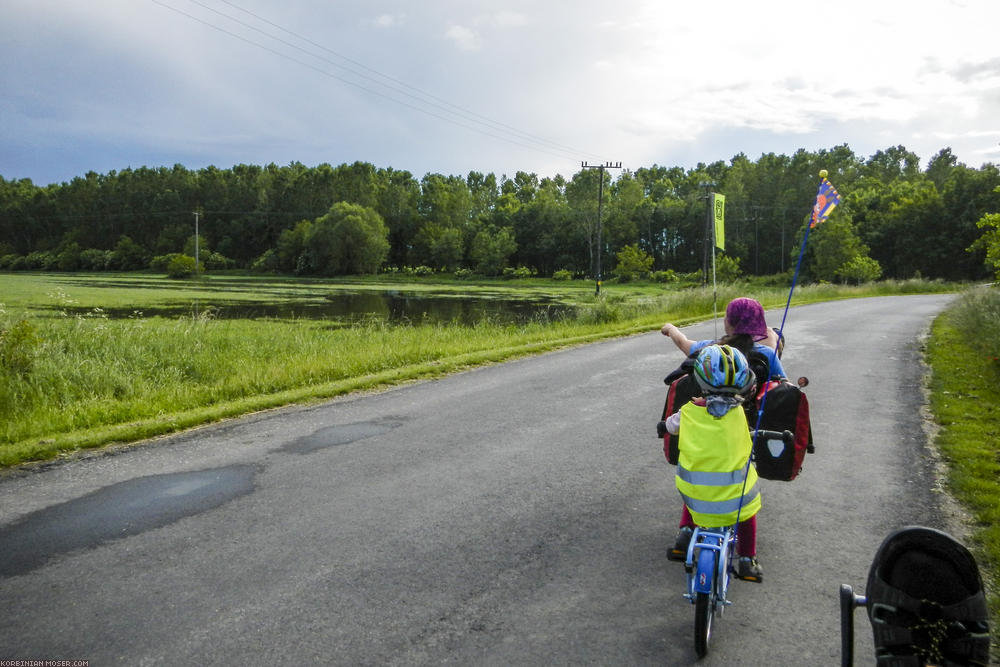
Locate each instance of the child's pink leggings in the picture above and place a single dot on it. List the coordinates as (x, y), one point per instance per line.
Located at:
(746, 533)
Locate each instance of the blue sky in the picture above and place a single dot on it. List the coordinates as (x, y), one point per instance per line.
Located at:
(450, 87)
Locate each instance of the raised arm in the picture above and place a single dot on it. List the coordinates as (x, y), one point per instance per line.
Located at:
(682, 342)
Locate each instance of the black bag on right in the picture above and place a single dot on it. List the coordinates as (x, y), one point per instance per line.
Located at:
(786, 408)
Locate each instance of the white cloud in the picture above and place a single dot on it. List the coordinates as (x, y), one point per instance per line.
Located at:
(465, 38)
(633, 80)
(506, 19)
(389, 20)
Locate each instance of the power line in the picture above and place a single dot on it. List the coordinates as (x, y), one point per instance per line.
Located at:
(499, 127)
(423, 93)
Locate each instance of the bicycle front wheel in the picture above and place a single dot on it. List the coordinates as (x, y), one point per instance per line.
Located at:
(704, 612)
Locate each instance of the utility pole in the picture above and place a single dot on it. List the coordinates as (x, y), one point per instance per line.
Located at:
(600, 202)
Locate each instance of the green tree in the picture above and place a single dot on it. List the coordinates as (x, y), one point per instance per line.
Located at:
(68, 258)
(129, 255)
(203, 249)
(398, 196)
(859, 269)
(582, 193)
(539, 225)
(291, 248)
(832, 245)
(990, 241)
(727, 269)
(491, 249)
(350, 239)
(438, 246)
(181, 266)
(633, 263)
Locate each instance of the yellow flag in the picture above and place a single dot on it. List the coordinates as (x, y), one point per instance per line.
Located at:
(719, 211)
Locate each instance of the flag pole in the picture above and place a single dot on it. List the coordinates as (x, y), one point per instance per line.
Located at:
(715, 286)
(821, 210)
(716, 219)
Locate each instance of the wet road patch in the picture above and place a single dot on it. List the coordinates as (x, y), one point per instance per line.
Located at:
(342, 434)
(117, 511)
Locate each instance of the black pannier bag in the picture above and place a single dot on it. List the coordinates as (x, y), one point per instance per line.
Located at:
(786, 408)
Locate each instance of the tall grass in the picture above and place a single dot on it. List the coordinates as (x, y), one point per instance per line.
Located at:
(964, 355)
(85, 373)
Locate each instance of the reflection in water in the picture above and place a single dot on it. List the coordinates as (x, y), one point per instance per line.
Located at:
(348, 307)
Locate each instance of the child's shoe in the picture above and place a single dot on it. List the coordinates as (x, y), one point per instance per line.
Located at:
(748, 569)
(680, 548)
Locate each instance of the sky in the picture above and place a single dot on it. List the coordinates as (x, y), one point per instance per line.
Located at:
(453, 86)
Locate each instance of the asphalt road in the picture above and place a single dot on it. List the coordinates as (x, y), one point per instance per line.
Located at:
(512, 515)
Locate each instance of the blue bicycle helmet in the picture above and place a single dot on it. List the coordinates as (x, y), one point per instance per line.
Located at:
(721, 369)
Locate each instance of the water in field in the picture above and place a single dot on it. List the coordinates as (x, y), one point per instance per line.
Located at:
(347, 307)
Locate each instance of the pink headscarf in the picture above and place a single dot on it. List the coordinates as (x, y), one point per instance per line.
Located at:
(746, 316)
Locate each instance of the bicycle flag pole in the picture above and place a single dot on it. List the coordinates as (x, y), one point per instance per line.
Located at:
(827, 199)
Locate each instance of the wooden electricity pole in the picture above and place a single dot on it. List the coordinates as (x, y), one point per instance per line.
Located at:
(600, 202)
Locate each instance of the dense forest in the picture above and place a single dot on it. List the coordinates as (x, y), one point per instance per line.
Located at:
(895, 219)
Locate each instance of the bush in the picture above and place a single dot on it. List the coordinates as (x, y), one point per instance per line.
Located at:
(160, 262)
(181, 266)
(633, 264)
(7, 261)
(93, 259)
(727, 269)
(695, 277)
(40, 260)
(519, 272)
(128, 255)
(562, 274)
(216, 262)
(860, 269)
(68, 257)
(668, 276)
(463, 273)
(267, 263)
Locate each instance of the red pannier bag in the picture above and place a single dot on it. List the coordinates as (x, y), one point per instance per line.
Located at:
(786, 408)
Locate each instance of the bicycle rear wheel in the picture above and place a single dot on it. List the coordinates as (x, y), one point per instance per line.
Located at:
(704, 612)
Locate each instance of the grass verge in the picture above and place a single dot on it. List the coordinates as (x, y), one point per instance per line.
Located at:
(964, 356)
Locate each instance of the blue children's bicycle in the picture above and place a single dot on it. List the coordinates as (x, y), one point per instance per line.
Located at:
(709, 565)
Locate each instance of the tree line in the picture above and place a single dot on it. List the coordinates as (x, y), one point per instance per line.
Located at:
(895, 220)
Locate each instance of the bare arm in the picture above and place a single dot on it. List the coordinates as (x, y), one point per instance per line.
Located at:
(771, 340)
(682, 342)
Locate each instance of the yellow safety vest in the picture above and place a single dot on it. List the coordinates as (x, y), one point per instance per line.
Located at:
(712, 462)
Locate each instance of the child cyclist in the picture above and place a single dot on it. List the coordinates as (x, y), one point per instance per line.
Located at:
(746, 330)
(713, 476)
